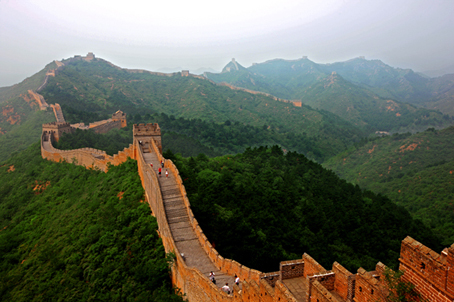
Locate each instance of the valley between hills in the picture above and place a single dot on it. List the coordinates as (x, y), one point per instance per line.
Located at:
(325, 180)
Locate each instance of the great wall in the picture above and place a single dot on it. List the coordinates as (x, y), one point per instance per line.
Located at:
(297, 280)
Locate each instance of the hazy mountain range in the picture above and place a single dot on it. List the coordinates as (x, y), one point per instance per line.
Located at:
(291, 79)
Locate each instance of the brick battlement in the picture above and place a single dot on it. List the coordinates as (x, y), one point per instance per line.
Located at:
(432, 273)
(146, 129)
(87, 157)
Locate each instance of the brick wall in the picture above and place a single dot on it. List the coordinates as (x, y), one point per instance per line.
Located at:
(87, 157)
(271, 278)
(311, 266)
(291, 269)
(106, 127)
(430, 272)
(319, 293)
(341, 282)
(368, 288)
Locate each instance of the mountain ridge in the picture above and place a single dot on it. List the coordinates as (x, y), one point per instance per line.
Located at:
(399, 84)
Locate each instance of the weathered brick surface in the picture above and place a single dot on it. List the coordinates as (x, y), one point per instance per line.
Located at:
(430, 272)
(106, 127)
(311, 266)
(291, 269)
(271, 278)
(368, 288)
(341, 284)
(319, 293)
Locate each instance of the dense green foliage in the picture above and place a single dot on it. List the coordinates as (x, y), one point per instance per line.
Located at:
(100, 89)
(234, 137)
(112, 142)
(415, 171)
(21, 136)
(72, 234)
(191, 137)
(364, 108)
(261, 207)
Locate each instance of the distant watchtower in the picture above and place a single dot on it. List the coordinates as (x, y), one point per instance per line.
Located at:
(90, 56)
(56, 129)
(120, 116)
(147, 132)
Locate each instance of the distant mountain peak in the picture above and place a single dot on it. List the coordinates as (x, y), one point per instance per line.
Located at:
(232, 66)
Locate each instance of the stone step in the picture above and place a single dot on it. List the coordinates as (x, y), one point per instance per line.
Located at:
(177, 212)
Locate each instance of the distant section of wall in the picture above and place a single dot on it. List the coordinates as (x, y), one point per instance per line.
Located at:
(58, 113)
(39, 99)
(87, 157)
(117, 121)
(106, 126)
(295, 103)
(50, 73)
(56, 129)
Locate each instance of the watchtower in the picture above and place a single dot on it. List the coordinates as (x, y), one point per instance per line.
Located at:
(120, 116)
(147, 132)
(56, 129)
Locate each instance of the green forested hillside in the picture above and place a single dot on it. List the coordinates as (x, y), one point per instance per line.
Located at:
(191, 137)
(33, 82)
(444, 94)
(368, 80)
(365, 109)
(282, 78)
(261, 207)
(22, 135)
(415, 171)
(100, 89)
(20, 118)
(72, 234)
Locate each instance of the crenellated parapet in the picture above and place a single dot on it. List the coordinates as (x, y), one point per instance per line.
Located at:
(56, 129)
(120, 116)
(431, 272)
(88, 157)
(144, 133)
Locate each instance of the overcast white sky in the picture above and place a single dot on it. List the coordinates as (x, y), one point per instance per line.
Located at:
(153, 35)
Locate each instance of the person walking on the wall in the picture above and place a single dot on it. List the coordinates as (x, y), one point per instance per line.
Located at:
(162, 164)
(167, 173)
(159, 171)
(212, 277)
(237, 280)
(226, 288)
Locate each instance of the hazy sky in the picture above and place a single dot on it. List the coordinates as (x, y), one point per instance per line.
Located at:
(153, 35)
